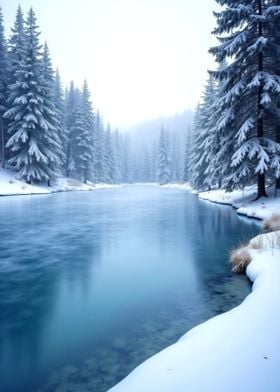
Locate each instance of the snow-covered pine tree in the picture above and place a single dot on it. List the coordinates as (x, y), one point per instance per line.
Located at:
(59, 102)
(16, 50)
(146, 164)
(71, 102)
(247, 35)
(117, 152)
(175, 158)
(17, 42)
(109, 158)
(98, 150)
(30, 117)
(219, 139)
(3, 88)
(187, 155)
(154, 158)
(203, 130)
(84, 135)
(126, 164)
(53, 116)
(163, 167)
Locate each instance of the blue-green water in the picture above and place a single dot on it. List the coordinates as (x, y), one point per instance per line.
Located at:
(93, 283)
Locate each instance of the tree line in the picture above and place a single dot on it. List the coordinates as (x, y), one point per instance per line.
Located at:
(45, 131)
(235, 139)
(48, 131)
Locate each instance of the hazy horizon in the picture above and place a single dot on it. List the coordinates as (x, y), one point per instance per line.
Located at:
(143, 60)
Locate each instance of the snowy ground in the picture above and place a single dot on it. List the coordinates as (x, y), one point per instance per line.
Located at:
(236, 351)
(243, 202)
(185, 186)
(9, 185)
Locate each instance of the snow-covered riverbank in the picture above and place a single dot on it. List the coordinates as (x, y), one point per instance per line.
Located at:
(236, 351)
(243, 201)
(10, 186)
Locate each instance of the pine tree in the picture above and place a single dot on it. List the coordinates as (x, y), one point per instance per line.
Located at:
(16, 47)
(203, 134)
(163, 169)
(187, 154)
(31, 118)
(84, 138)
(71, 99)
(117, 152)
(54, 131)
(175, 158)
(98, 150)
(127, 171)
(154, 159)
(246, 30)
(59, 102)
(3, 88)
(109, 159)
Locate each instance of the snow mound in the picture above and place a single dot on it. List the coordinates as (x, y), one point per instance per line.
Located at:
(236, 351)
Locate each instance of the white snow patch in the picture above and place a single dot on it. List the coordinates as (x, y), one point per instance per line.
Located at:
(243, 201)
(184, 186)
(236, 351)
(10, 186)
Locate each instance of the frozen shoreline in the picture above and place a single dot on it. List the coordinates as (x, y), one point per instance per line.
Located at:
(243, 201)
(10, 186)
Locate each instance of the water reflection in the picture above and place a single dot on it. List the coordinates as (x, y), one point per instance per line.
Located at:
(92, 284)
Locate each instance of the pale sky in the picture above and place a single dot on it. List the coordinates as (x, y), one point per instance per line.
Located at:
(142, 58)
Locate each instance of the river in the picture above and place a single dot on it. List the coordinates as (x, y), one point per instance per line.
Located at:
(93, 283)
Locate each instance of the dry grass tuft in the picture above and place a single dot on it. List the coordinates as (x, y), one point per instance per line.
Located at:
(240, 259)
(272, 223)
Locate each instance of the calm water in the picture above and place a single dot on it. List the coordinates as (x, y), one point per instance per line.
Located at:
(93, 283)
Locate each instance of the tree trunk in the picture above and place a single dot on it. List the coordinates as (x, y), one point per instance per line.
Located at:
(277, 186)
(277, 180)
(2, 143)
(261, 176)
(261, 186)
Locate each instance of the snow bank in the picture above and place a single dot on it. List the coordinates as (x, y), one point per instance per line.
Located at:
(242, 200)
(184, 186)
(10, 186)
(236, 351)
